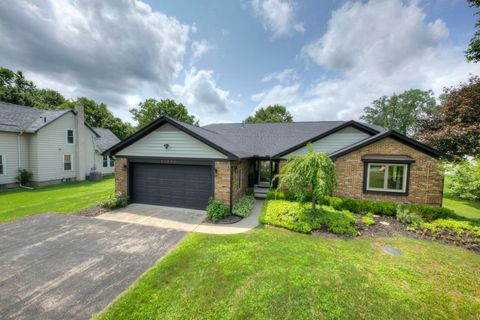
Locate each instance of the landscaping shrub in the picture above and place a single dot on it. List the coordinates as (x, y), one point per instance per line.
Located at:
(430, 213)
(249, 191)
(117, 201)
(273, 194)
(368, 219)
(300, 218)
(217, 210)
(244, 206)
(406, 216)
(24, 176)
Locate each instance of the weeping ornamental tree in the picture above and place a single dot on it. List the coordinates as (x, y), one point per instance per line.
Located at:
(312, 176)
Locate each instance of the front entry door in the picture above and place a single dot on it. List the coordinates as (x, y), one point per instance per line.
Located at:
(264, 173)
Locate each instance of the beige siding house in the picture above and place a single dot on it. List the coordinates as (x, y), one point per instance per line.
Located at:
(54, 145)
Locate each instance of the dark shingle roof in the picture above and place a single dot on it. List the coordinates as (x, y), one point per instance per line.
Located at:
(15, 118)
(106, 140)
(270, 139)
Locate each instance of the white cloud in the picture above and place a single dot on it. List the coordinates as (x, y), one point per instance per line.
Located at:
(199, 48)
(278, 17)
(283, 76)
(200, 93)
(279, 94)
(373, 55)
(105, 50)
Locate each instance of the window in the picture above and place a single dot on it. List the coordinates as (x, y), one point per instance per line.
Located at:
(239, 178)
(105, 161)
(2, 165)
(387, 177)
(67, 162)
(108, 162)
(70, 136)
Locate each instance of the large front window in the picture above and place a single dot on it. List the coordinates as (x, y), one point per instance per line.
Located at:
(387, 177)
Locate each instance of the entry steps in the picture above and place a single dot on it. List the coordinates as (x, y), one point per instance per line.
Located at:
(260, 192)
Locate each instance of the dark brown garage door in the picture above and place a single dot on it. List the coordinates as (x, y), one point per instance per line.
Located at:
(186, 186)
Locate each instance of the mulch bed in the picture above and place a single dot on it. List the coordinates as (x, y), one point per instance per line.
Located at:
(93, 211)
(390, 227)
(227, 220)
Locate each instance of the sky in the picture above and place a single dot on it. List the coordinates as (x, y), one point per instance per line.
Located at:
(323, 60)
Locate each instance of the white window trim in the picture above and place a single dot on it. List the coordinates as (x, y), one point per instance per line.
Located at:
(385, 178)
(108, 162)
(71, 161)
(66, 136)
(239, 179)
(4, 164)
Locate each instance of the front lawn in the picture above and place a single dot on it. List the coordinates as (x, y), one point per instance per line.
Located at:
(67, 197)
(271, 273)
(467, 208)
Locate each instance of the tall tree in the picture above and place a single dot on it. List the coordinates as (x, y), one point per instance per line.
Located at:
(399, 112)
(473, 50)
(152, 109)
(14, 88)
(455, 128)
(97, 115)
(47, 99)
(275, 113)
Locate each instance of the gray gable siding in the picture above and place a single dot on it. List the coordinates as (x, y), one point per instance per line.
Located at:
(333, 142)
(181, 145)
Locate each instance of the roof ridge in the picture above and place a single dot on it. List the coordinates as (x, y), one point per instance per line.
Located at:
(249, 123)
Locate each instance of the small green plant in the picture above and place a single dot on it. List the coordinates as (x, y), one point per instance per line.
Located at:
(244, 206)
(409, 217)
(368, 219)
(119, 200)
(249, 191)
(338, 222)
(217, 210)
(24, 176)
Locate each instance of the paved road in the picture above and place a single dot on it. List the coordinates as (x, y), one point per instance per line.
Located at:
(70, 267)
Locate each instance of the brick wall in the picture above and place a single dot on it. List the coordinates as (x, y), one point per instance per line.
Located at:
(121, 181)
(246, 167)
(425, 181)
(222, 181)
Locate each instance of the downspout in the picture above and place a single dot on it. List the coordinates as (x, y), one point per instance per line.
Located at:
(19, 159)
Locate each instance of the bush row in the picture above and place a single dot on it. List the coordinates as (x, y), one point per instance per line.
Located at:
(361, 206)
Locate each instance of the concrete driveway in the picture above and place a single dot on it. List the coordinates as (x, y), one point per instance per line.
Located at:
(157, 216)
(71, 267)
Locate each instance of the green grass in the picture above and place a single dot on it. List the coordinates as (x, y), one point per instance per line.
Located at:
(63, 198)
(465, 208)
(276, 274)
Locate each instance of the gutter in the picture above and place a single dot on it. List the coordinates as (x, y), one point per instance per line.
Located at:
(19, 159)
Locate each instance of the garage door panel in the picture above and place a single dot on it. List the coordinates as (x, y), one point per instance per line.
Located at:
(171, 185)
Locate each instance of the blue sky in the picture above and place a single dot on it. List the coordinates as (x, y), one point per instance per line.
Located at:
(324, 60)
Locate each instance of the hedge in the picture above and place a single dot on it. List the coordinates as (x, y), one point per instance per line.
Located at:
(361, 206)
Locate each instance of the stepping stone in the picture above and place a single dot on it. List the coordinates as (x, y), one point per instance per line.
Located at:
(375, 216)
(385, 223)
(392, 251)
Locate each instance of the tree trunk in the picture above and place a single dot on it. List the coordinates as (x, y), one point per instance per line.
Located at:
(313, 203)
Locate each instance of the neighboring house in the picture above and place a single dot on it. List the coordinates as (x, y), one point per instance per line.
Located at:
(175, 164)
(55, 145)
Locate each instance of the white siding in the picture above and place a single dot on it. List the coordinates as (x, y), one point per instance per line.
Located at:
(9, 150)
(49, 146)
(333, 142)
(181, 145)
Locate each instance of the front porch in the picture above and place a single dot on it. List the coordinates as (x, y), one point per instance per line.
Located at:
(261, 179)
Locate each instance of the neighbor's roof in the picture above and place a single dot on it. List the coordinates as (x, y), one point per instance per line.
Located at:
(237, 140)
(15, 118)
(106, 140)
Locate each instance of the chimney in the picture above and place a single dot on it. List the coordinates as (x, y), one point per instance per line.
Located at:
(80, 133)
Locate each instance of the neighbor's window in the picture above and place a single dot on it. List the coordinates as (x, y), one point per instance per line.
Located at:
(105, 161)
(2, 165)
(70, 138)
(67, 162)
(239, 178)
(387, 177)
(112, 161)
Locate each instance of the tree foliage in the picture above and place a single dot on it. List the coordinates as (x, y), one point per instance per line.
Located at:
(275, 113)
(455, 128)
(465, 179)
(398, 112)
(473, 51)
(152, 109)
(15, 88)
(312, 176)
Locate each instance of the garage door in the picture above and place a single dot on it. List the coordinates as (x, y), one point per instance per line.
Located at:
(186, 186)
